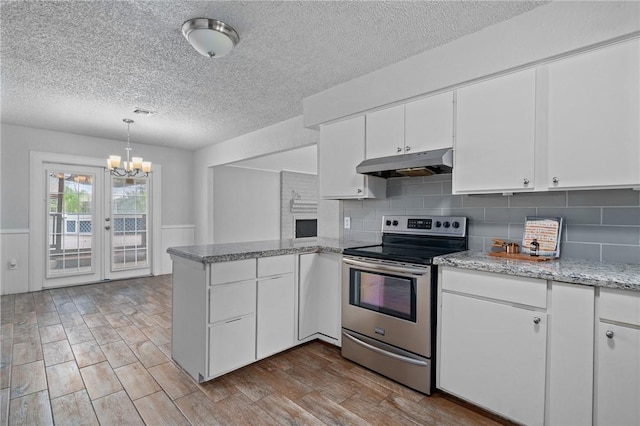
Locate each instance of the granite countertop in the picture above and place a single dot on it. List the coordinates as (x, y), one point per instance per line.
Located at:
(586, 272)
(212, 253)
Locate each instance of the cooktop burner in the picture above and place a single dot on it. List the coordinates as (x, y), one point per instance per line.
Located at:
(416, 239)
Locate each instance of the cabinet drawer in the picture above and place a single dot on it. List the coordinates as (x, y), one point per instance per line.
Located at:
(276, 265)
(237, 270)
(227, 301)
(620, 305)
(522, 290)
(232, 345)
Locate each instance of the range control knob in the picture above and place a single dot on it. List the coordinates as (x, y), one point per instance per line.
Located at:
(446, 224)
(395, 223)
(388, 223)
(438, 224)
(456, 225)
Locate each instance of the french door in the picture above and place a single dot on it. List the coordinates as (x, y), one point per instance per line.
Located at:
(97, 225)
(126, 223)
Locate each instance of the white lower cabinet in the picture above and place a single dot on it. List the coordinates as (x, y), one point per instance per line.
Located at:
(320, 277)
(232, 344)
(495, 356)
(229, 314)
(502, 348)
(276, 315)
(493, 350)
(570, 362)
(618, 358)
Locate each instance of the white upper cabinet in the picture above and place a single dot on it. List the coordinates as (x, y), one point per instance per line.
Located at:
(385, 132)
(494, 149)
(340, 150)
(594, 119)
(421, 125)
(429, 123)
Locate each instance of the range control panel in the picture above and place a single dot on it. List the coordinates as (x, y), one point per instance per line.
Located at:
(455, 226)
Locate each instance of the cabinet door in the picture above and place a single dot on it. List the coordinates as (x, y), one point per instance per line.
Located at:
(494, 149)
(329, 275)
(385, 132)
(276, 315)
(594, 119)
(320, 295)
(494, 355)
(308, 305)
(341, 150)
(429, 123)
(227, 301)
(618, 386)
(232, 344)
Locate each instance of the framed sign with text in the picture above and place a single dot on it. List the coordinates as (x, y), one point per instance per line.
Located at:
(546, 232)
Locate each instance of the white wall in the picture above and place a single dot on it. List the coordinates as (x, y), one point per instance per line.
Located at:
(17, 142)
(282, 136)
(246, 204)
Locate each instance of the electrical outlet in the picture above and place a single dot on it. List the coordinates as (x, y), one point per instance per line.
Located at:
(347, 222)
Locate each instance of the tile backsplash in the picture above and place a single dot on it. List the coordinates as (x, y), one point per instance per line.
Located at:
(599, 225)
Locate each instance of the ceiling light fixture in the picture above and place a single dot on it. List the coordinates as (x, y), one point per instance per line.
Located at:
(210, 37)
(145, 112)
(134, 166)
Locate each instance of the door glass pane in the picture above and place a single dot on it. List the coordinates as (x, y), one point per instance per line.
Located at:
(130, 219)
(69, 223)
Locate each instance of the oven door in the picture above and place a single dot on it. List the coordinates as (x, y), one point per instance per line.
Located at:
(389, 302)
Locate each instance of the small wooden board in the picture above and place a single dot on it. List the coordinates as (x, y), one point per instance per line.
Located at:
(520, 256)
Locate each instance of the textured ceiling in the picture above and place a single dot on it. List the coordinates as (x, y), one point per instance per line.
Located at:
(82, 66)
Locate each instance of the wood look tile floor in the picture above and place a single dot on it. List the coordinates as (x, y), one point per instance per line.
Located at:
(101, 354)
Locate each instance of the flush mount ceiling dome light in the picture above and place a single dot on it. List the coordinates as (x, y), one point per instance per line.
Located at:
(210, 37)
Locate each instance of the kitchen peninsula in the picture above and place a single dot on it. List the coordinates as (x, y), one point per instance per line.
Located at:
(236, 303)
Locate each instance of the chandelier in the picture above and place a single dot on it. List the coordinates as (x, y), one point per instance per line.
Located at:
(133, 167)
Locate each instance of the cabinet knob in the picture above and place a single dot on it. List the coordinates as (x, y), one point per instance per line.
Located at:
(407, 148)
(536, 320)
(107, 219)
(107, 227)
(359, 191)
(398, 149)
(609, 334)
(525, 181)
(555, 180)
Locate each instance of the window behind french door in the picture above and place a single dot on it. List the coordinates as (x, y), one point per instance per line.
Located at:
(97, 225)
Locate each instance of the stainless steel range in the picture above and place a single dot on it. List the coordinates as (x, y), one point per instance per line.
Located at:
(389, 295)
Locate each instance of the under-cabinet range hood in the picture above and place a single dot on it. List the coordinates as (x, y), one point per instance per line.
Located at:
(424, 163)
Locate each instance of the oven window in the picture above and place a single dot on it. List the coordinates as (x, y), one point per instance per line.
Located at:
(387, 294)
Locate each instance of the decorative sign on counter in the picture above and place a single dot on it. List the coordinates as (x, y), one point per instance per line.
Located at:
(542, 233)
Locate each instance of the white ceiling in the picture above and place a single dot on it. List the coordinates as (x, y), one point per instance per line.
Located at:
(82, 66)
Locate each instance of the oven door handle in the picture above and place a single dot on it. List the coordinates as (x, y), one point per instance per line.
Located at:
(383, 352)
(383, 267)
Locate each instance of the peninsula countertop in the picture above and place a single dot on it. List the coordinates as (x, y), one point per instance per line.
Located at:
(212, 253)
(576, 271)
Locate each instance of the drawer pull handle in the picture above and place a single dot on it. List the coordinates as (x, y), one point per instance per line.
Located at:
(233, 320)
(536, 320)
(609, 334)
